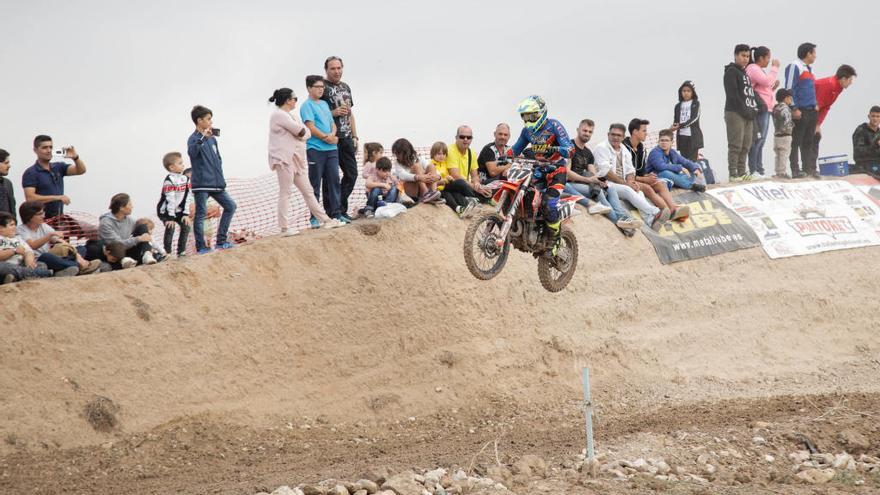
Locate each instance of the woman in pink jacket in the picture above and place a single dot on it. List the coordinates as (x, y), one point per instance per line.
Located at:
(287, 157)
(764, 84)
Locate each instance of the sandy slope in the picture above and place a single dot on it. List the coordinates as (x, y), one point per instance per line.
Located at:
(355, 326)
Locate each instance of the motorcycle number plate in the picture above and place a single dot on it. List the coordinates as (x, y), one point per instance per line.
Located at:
(518, 173)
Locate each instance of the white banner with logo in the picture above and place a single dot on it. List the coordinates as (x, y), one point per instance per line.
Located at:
(796, 218)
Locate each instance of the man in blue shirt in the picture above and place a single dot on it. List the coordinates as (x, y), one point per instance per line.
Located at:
(44, 182)
(800, 81)
(321, 149)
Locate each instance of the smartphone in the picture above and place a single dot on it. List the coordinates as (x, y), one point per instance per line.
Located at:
(215, 131)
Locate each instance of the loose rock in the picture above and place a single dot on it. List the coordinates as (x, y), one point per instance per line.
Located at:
(368, 485)
(403, 484)
(816, 476)
(284, 490)
(530, 465)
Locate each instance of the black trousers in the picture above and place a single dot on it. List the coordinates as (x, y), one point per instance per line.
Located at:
(181, 239)
(348, 165)
(457, 192)
(95, 249)
(802, 137)
(686, 149)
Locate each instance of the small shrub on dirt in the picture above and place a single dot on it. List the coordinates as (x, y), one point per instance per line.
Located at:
(448, 358)
(101, 413)
(369, 228)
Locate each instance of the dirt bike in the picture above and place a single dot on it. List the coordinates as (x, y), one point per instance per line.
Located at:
(517, 221)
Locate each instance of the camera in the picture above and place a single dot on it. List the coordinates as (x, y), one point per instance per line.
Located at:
(59, 154)
(215, 132)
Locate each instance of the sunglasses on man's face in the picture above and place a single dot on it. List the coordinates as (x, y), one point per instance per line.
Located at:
(465, 137)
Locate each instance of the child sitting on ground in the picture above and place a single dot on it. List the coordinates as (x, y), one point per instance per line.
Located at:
(17, 258)
(172, 207)
(113, 257)
(456, 191)
(156, 250)
(381, 186)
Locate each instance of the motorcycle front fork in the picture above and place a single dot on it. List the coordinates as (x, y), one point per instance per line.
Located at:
(508, 216)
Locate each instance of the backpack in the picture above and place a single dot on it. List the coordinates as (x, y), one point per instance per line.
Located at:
(708, 173)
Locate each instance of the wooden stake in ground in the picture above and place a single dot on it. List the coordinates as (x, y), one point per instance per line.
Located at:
(588, 412)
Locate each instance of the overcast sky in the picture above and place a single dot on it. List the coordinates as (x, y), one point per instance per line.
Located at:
(118, 79)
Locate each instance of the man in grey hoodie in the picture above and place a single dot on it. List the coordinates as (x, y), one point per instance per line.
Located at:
(740, 110)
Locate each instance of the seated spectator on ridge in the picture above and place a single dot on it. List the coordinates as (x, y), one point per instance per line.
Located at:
(7, 196)
(866, 145)
(493, 164)
(461, 156)
(583, 181)
(654, 188)
(381, 186)
(670, 165)
(47, 244)
(614, 163)
(44, 182)
(419, 179)
(454, 189)
(117, 225)
(17, 260)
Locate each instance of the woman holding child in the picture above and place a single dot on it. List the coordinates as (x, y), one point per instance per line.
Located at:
(287, 157)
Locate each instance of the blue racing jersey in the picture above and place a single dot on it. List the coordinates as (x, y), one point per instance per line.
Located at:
(552, 133)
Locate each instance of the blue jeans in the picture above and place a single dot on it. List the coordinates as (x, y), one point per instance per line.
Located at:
(756, 152)
(56, 263)
(679, 179)
(324, 166)
(225, 201)
(607, 197)
(373, 196)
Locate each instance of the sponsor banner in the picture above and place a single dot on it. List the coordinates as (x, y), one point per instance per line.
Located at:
(797, 218)
(871, 188)
(711, 229)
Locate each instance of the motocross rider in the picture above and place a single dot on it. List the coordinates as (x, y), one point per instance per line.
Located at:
(552, 147)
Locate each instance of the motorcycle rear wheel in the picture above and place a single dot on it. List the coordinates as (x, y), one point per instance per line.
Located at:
(482, 255)
(555, 272)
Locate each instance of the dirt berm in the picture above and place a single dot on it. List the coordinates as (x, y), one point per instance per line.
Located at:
(357, 326)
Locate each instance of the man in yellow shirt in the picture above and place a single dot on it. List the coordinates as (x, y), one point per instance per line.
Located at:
(465, 160)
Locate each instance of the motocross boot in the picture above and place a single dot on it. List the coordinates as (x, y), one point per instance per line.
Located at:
(555, 229)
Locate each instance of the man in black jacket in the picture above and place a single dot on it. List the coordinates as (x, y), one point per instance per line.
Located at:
(740, 110)
(866, 145)
(7, 197)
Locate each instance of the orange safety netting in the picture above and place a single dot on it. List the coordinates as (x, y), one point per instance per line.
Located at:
(255, 217)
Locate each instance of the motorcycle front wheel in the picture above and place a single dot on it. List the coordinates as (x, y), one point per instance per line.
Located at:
(482, 254)
(557, 271)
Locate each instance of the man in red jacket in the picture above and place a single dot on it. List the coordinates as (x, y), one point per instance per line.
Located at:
(827, 91)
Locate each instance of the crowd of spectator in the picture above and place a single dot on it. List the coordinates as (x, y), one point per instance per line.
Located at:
(309, 148)
(798, 113)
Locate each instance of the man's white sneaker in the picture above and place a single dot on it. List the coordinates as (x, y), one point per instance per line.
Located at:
(148, 259)
(289, 232)
(405, 200)
(333, 223)
(128, 262)
(598, 209)
(628, 223)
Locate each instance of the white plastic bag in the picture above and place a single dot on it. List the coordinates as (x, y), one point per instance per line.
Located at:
(390, 210)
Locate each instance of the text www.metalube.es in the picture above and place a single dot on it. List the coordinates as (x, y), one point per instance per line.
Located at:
(709, 240)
